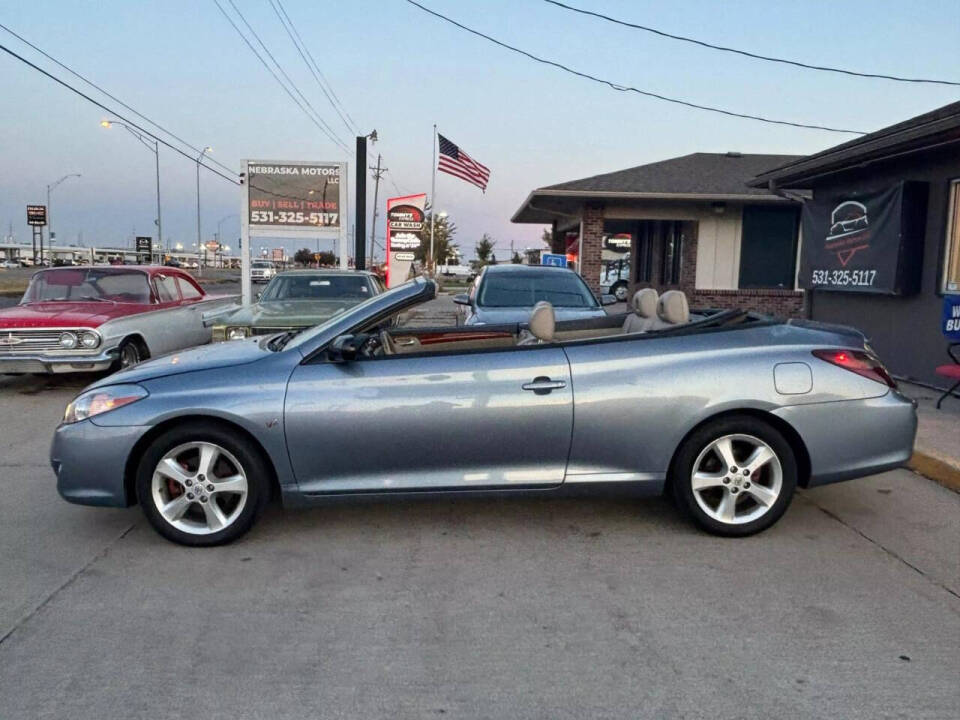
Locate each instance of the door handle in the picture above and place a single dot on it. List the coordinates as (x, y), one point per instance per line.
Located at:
(406, 341)
(543, 385)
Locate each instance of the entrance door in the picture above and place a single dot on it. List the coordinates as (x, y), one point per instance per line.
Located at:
(430, 422)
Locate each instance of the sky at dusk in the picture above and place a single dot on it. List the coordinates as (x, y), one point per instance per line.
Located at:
(399, 71)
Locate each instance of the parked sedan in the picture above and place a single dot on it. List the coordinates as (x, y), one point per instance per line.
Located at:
(84, 319)
(295, 300)
(507, 294)
(728, 414)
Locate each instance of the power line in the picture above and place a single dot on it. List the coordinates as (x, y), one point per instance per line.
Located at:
(628, 88)
(324, 123)
(316, 120)
(745, 53)
(112, 97)
(313, 68)
(115, 113)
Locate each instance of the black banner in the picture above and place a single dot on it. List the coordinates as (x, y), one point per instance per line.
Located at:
(868, 241)
(144, 249)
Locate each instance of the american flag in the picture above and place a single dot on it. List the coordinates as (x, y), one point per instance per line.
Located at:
(456, 162)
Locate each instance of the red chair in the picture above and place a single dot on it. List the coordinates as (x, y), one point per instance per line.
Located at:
(950, 371)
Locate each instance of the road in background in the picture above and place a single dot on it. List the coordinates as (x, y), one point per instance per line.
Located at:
(520, 608)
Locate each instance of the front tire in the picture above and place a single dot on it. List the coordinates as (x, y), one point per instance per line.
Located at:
(200, 486)
(734, 476)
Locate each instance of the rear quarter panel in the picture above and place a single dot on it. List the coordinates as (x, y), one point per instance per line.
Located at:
(635, 399)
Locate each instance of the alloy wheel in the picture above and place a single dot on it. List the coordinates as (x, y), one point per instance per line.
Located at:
(736, 479)
(199, 488)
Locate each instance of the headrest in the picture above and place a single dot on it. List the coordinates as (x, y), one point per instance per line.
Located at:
(645, 302)
(543, 321)
(673, 308)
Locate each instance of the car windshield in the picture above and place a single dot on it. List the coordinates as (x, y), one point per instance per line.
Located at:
(356, 313)
(317, 287)
(77, 284)
(525, 289)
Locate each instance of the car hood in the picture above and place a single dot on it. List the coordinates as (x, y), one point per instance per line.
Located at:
(205, 357)
(66, 314)
(298, 313)
(505, 316)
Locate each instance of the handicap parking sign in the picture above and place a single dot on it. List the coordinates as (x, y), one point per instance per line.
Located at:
(556, 260)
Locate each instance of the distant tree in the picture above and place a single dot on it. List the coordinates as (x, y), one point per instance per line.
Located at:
(547, 237)
(327, 259)
(484, 252)
(303, 256)
(517, 259)
(444, 249)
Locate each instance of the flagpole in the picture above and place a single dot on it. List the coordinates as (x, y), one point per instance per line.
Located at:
(433, 200)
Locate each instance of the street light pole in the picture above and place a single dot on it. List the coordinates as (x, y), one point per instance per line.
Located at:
(50, 233)
(153, 146)
(199, 239)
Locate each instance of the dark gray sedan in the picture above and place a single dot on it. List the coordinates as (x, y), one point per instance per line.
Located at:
(728, 413)
(507, 294)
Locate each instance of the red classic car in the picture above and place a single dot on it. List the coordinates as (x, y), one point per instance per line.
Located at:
(94, 318)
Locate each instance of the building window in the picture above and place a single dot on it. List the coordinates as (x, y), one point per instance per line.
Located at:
(768, 247)
(643, 263)
(951, 280)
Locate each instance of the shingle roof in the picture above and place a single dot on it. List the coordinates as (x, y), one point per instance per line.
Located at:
(934, 127)
(694, 174)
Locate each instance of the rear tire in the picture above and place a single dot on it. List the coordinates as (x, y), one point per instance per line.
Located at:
(199, 485)
(734, 476)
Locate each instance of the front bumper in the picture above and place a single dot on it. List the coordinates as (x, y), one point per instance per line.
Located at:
(45, 363)
(853, 438)
(90, 462)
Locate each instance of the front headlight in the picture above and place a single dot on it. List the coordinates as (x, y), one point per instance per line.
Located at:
(101, 400)
(68, 341)
(89, 340)
(237, 333)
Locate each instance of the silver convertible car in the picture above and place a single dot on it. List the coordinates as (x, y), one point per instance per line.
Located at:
(728, 411)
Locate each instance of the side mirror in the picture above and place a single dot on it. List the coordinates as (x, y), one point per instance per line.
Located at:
(342, 349)
(461, 299)
(608, 300)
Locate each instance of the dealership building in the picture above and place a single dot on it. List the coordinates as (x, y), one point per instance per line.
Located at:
(865, 234)
(690, 223)
(882, 236)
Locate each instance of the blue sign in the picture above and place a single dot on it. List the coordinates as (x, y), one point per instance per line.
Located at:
(555, 260)
(950, 325)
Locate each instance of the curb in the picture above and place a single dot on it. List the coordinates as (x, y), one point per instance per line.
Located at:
(939, 468)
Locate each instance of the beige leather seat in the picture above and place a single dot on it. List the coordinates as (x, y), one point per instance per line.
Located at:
(672, 309)
(543, 324)
(644, 311)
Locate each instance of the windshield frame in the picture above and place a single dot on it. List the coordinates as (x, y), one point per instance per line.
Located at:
(413, 292)
(593, 303)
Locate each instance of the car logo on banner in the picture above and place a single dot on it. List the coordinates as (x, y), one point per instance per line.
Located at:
(849, 231)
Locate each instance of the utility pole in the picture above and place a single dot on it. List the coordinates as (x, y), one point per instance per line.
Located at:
(377, 174)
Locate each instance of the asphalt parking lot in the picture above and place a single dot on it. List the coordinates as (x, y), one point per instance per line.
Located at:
(525, 608)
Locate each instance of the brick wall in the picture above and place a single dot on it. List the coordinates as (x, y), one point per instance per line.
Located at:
(780, 303)
(592, 242)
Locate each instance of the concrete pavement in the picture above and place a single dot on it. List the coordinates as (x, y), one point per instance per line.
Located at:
(524, 608)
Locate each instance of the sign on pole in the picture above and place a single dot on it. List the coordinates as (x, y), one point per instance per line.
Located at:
(144, 249)
(553, 259)
(36, 215)
(405, 218)
(293, 199)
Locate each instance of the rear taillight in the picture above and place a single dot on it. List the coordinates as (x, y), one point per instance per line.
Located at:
(859, 362)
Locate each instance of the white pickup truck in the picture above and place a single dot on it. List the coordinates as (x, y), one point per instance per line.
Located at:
(615, 278)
